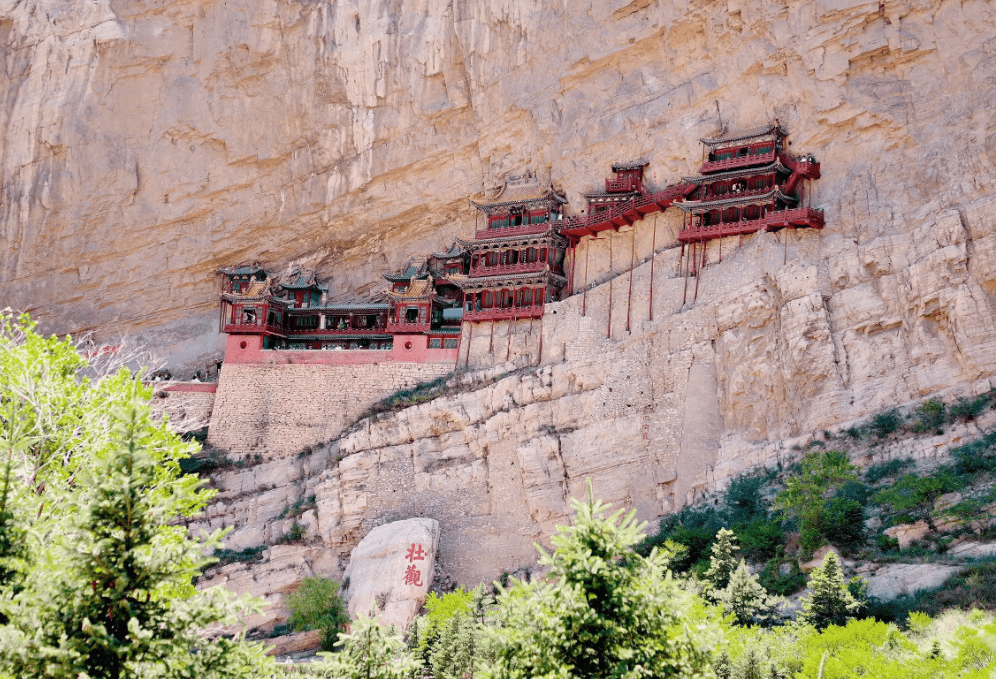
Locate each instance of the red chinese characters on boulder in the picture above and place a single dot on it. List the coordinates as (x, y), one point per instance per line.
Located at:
(413, 576)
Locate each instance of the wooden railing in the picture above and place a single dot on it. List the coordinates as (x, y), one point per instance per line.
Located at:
(739, 161)
(405, 327)
(252, 329)
(501, 314)
(621, 185)
(498, 269)
(797, 217)
(507, 231)
(337, 331)
(629, 208)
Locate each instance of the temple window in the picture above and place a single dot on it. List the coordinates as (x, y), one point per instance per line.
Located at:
(411, 315)
(435, 342)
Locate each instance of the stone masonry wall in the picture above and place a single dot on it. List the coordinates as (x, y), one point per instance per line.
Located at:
(277, 410)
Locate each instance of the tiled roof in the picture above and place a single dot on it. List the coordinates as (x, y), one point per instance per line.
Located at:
(744, 136)
(245, 270)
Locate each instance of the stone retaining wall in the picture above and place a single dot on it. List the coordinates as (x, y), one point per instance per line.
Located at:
(276, 410)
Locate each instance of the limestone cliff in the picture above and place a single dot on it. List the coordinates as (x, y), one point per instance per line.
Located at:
(145, 144)
(142, 145)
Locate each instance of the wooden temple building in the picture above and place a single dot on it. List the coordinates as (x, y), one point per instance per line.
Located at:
(515, 264)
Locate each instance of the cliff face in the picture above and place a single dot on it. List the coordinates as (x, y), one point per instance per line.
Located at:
(146, 144)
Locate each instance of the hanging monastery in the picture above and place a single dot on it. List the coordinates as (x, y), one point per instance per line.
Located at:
(524, 257)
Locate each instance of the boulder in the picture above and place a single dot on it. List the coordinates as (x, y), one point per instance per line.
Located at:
(896, 579)
(390, 571)
(908, 533)
(818, 556)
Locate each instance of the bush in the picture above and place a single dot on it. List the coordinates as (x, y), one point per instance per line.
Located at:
(886, 423)
(760, 539)
(247, 555)
(929, 416)
(977, 456)
(782, 585)
(316, 604)
(877, 472)
(966, 409)
(744, 501)
(855, 490)
(915, 493)
(842, 523)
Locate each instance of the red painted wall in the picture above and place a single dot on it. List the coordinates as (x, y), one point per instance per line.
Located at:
(248, 349)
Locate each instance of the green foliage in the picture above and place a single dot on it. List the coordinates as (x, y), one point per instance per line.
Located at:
(782, 585)
(601, 611)
(929, 416)
(295, 534)
(722, 563)
(746, 598)
(369, 651)
(404, 398)
(830, 601)
(247, 555)
(966, 409)
(976, 456)
(913, 492)
(877, 472)
(842, 522)
(744, 501)
(886, 423)
(760, 539)
(101, 586)
(821, 474)
(316, 604)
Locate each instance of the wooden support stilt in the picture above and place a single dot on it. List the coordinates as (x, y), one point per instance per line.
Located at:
(698, 274)
(720, 250)
(653, 258)
(785, 257)
(539, 357)
(611, 276)
(508, 345)
(632, 262)
(470, 336)
(684, 296)
(574, 261)
(584, 293)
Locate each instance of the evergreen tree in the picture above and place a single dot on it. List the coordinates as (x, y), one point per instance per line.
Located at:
(750, 667)
(601, 611)
(746, 598)
(722, 563)
(369, 651)
(829, 601)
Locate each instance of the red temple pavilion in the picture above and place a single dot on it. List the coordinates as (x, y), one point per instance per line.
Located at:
(749, 183)
(516, 263)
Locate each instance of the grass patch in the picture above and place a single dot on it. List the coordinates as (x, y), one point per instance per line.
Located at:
(877, 472)
(298, 508)
(247, 555)
(929, 416)
(405, 398)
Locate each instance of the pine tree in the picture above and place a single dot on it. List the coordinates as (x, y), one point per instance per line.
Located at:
(601, 611)
(750, 667)
(117, 603)
(829, 602)
(722, 563)
(746, 598)
(369, 651)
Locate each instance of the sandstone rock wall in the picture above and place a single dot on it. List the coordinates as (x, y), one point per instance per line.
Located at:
(187, 410)
(280, 409)
(144, 145)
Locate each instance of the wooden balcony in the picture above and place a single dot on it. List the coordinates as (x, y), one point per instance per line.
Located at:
(626, 213)
(503, 314)
(499, 269)
(405, 328)
(798, 218)
(738, 162)
(622, 185)
(253, 329)
(509, 231)
(336, 331)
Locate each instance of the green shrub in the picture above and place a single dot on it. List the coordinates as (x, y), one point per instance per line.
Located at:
(782, 585)
(842, 522)
(966, 409)
(855, 432)
(317, 605)
(886, 543)
(977, 456)
(855, 490)
(877, 472)
(760, 538)
(744, 502)
(886, 423)
(247, 555)
(913, 492)
(929, 416)
(295, 534)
